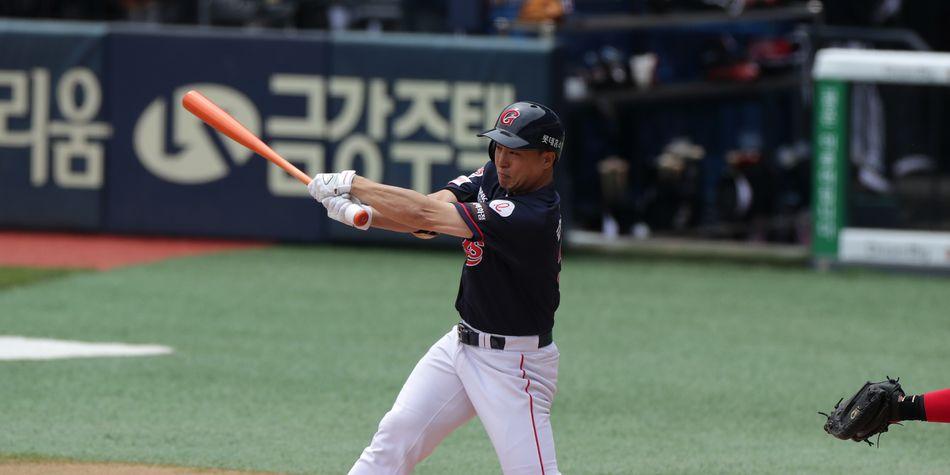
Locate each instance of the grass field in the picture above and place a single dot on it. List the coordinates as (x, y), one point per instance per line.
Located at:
(286, 358)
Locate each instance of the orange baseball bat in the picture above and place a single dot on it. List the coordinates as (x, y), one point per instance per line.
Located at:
(211, 114)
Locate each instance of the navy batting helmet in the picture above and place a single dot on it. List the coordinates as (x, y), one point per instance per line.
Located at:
(526, 125)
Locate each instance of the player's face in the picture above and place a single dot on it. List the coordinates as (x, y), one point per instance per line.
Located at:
(520, 170)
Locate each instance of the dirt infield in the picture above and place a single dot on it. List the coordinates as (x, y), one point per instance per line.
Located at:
(78, 468)
(101, 252)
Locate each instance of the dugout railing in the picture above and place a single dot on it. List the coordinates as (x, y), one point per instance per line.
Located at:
(835, 240)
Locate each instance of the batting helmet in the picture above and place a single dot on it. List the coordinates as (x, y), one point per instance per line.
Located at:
(526, 125)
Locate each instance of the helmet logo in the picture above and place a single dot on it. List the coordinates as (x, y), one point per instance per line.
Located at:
(508, 117)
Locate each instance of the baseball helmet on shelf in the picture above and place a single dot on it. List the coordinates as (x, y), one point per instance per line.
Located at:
(526, 125)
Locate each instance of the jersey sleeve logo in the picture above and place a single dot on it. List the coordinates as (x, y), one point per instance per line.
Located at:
(504, 208)
(477, 173)
(479, 211)
(508, 117)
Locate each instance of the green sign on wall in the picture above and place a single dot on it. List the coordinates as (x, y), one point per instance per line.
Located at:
(830, 142)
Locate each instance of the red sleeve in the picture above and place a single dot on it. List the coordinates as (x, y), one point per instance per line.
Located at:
(937, 405)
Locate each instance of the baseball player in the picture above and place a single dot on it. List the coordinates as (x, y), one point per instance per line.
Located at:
(499, 362)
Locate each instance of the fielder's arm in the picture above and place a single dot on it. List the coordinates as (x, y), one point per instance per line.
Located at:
(411, 210)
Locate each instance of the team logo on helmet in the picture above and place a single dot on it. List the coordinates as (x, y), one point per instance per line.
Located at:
(508, 117)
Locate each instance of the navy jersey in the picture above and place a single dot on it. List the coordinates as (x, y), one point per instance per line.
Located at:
(509, 282)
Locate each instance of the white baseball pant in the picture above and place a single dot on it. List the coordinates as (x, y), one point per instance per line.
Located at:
(510, 391)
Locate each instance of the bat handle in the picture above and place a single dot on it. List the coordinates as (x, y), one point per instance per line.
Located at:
(295, 172)
(356, 215)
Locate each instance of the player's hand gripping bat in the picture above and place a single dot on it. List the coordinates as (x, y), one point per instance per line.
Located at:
(211, 114)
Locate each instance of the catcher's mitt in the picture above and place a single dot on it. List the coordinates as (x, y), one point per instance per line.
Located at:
(868, 412)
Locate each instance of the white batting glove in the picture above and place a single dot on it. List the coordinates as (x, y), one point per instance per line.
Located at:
(328, 185)
(344, 209)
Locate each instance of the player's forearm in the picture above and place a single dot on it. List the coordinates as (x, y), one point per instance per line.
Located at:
(400, 206)
(381, 221)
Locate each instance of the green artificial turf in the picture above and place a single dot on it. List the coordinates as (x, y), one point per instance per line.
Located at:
(286, 358)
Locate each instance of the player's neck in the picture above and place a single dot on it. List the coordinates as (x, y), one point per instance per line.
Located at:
(543, 181)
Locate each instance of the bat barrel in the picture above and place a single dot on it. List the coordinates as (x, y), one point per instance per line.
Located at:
(211, 114)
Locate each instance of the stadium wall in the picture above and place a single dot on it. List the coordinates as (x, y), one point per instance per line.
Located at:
(93, 138)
